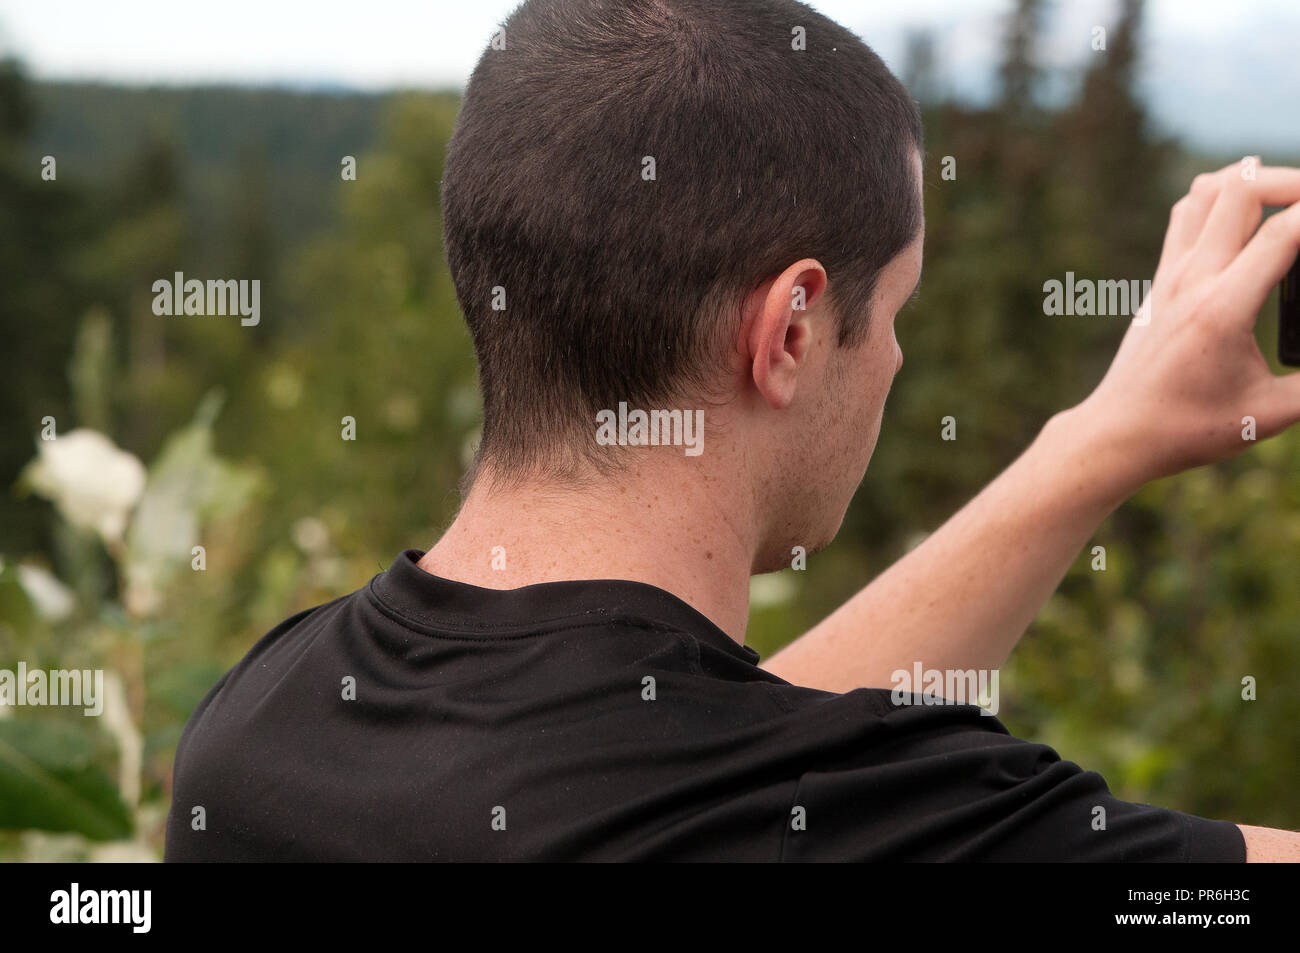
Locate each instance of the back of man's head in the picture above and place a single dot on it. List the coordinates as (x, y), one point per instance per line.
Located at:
(624, 172)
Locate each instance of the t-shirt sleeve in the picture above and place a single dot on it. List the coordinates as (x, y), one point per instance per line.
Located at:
(947, 783)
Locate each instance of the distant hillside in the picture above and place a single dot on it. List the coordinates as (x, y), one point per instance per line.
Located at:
(280, 146)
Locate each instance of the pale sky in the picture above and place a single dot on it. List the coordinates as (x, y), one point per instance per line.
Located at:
(1215, 71)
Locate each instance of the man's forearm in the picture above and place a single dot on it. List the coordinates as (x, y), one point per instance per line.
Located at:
(964, 596)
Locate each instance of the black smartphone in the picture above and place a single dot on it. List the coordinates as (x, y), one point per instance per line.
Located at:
(1288, 317)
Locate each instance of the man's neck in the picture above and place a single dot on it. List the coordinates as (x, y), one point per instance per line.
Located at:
(659, 525)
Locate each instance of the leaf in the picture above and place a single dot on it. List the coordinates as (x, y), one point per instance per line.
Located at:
(17, 614)
(187, 483)
(50, 781)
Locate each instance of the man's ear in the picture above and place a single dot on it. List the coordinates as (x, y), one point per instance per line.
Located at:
(779, 329)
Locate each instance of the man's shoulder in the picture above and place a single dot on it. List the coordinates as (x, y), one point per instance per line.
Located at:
(922, 779)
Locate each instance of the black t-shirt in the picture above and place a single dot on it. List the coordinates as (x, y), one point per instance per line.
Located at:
(420, 718)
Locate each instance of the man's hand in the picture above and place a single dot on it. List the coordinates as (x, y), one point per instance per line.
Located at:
(1175, 397)
(1189, 370)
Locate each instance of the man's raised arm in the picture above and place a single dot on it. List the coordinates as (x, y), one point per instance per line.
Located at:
(1174, 398)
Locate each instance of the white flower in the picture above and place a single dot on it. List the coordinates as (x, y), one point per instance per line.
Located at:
(52, 599)
(771, 590)
(311, 535)
(93, 484)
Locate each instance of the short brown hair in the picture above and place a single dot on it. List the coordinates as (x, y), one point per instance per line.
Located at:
(623, 288)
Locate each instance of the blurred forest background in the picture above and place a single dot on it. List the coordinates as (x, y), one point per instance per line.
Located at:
(228, 437)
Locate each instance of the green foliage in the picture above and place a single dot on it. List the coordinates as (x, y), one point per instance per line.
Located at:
(49, 780)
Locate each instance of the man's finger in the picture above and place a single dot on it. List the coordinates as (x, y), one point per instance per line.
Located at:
(1236, 212)
(1246, 282)
(1283, 403)
(1188, 216)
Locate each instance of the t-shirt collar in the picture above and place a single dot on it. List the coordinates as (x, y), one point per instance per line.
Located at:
(476, 611)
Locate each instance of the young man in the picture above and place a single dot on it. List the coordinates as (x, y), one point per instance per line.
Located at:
(662, 206)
